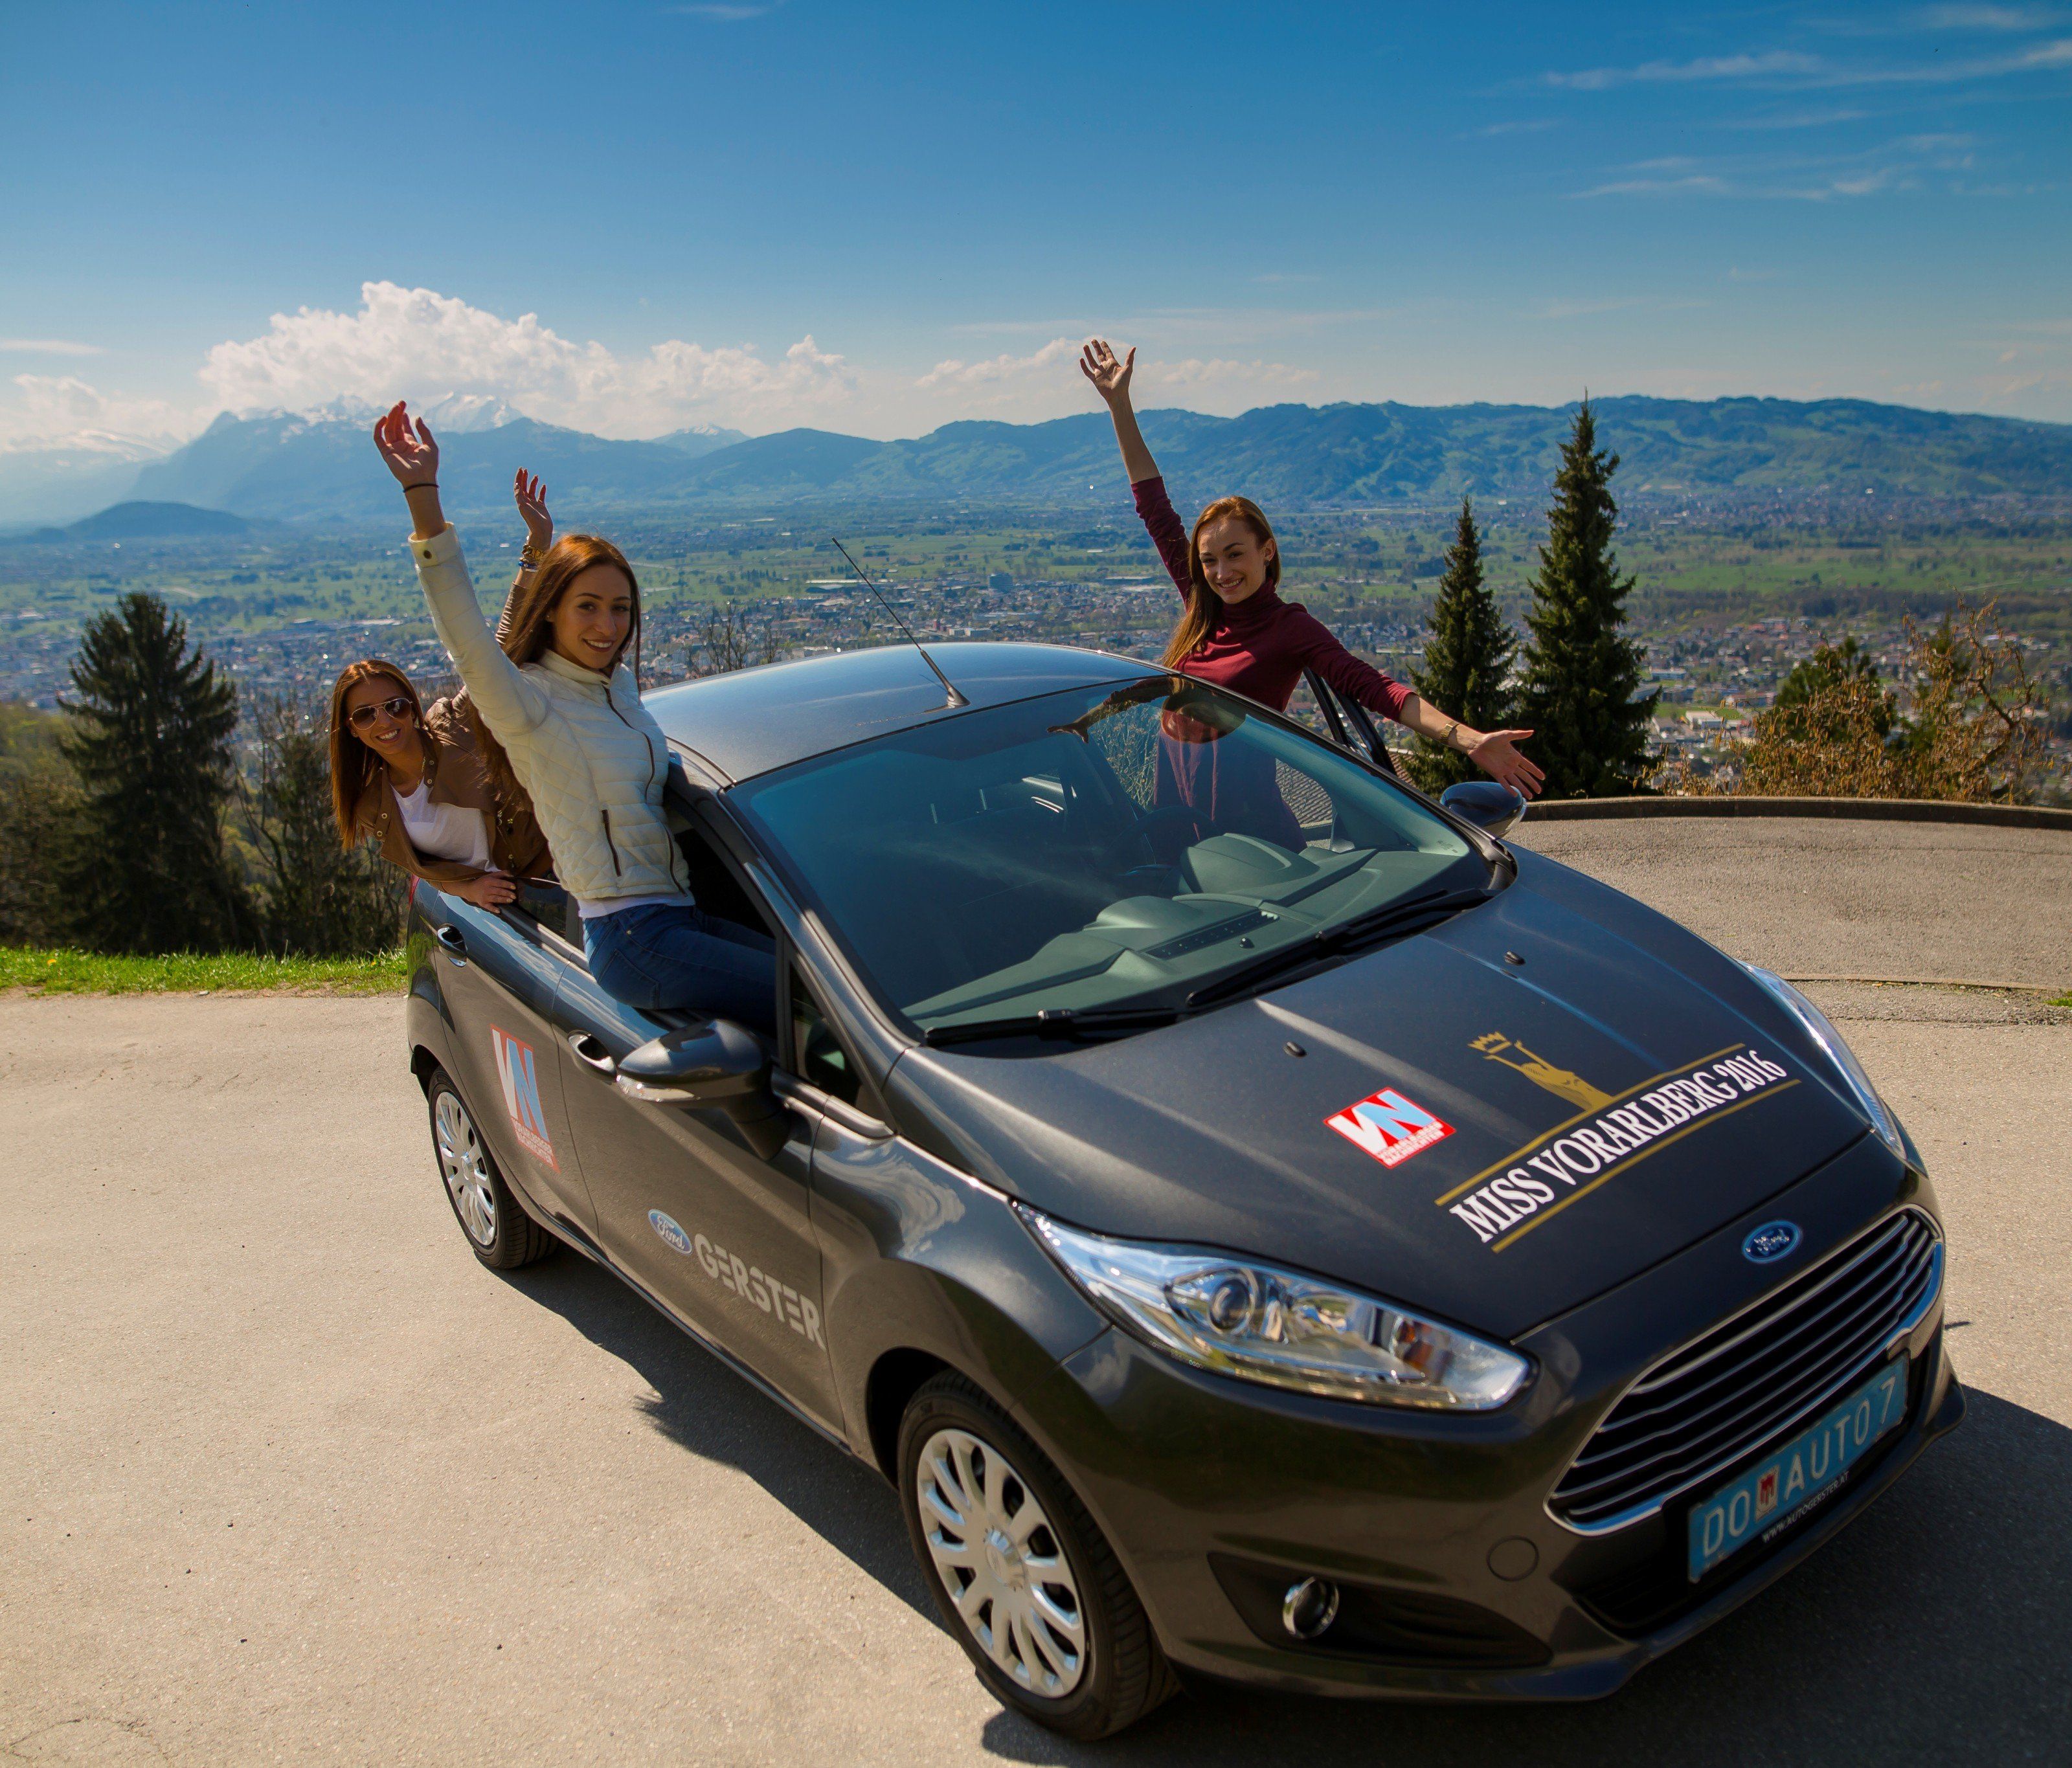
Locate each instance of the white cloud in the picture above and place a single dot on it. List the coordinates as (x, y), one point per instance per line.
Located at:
(2008, 18)
(56, 410)
(420, 344)
(994, 370)
(1768, 63)
(1791, 69)
(49, 347)
(1221, 374)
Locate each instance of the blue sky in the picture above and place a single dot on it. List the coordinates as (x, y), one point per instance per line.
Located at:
(877, 218)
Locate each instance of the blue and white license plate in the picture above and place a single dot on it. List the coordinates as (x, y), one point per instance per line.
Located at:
(1797, 1475)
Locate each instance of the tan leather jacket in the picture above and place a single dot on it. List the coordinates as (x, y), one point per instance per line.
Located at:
(453, 769)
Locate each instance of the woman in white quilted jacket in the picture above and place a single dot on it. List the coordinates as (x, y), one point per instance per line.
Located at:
(562, 717)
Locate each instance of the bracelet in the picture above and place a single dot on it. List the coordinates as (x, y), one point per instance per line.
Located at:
(1452, 730)
(428, 485)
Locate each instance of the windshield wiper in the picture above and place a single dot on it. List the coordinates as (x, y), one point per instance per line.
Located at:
(1069, 1024)
(1376, 923)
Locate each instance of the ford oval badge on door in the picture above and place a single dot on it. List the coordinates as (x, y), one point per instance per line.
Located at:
(1770, 1242)
(672, 1233)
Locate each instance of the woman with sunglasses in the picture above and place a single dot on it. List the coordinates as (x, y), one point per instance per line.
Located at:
(409, 778)
(412, 779)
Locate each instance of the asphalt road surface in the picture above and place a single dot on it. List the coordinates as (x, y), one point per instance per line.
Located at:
(286, 1475)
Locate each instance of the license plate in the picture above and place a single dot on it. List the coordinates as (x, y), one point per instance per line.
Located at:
(1794, 1477)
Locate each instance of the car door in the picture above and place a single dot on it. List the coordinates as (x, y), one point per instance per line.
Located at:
(1346, 722)
(687, 1207)
(499, 977)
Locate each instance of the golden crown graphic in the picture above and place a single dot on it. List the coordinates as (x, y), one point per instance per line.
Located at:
(1563, 1083)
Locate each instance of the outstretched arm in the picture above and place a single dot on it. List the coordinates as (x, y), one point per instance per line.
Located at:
(511, 704)
(1111, 380)
(1495, 752)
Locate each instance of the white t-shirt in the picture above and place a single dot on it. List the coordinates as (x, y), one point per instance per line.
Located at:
(448, 832)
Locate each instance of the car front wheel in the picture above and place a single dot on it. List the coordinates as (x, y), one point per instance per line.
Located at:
(1021, 1573)
(503, 1235)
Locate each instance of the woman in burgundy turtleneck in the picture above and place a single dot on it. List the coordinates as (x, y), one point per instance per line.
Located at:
(1234, 629)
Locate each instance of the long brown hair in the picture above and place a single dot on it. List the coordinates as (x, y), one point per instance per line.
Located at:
(1205, 607)
(353, 762)
(527, 634)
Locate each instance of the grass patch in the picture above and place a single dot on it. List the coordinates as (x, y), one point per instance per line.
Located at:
(2063, 1000)
(64, 970)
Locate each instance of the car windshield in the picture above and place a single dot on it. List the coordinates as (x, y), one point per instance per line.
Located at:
(1084, 851)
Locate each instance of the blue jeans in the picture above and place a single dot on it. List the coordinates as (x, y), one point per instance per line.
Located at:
(680, 957)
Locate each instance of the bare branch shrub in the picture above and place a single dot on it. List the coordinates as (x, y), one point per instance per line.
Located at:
(729, 638)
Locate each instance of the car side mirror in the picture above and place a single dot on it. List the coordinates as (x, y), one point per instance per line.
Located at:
(1495, 810)
(717, 1062)
(718, 1066)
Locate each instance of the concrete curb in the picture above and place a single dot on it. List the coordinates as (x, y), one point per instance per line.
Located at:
(1890, 810)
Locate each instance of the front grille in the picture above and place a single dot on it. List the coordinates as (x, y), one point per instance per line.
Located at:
(1751, 1378)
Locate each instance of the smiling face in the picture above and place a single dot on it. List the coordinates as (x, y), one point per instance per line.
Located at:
(1235, 560)
(373, 699)
(591, 621)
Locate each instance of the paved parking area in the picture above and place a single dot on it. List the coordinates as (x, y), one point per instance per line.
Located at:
(284, 1475)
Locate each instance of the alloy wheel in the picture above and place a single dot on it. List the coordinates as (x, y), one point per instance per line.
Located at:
(1002, 1564)
(464, 1164)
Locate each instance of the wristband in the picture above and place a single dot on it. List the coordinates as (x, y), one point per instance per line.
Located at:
(428, 485)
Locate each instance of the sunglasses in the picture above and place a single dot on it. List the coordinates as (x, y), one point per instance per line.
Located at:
(398, 709)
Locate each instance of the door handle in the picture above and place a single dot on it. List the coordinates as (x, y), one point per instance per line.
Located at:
(591, 1050)
(453, 940)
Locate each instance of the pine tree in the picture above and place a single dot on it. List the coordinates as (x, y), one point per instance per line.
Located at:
(1466, 658)
(147, 869)
(1581, 691)
(321, 900)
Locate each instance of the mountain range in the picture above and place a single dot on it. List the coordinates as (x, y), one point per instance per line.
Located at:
(320, 467)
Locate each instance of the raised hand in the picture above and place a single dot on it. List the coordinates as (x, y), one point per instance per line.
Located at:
(1110, 375)
(531, 497)
(1497, 755)
(411, 455)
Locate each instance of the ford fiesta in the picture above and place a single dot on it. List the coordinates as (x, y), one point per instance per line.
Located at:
(1262, 1226)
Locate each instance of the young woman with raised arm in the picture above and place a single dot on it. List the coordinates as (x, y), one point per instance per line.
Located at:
(562, 715)
(1235, 630)
(410, 777)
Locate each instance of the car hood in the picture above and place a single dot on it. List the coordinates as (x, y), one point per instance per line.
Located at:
(1490, 1140)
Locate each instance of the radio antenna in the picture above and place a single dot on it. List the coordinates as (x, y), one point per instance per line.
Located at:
(955, 699)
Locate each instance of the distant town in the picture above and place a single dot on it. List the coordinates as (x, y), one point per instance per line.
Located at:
(1726, 605)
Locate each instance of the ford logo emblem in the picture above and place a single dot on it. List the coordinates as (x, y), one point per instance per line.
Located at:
(1770, 1242)
(677, 1240)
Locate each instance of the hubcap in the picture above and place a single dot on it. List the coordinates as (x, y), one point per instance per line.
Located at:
(1002, 1564)
(465, 1167)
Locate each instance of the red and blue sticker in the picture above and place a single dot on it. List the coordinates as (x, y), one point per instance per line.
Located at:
(519, 1073)
(1389, 1127)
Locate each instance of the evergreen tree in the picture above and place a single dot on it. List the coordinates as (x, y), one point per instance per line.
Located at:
(322, 899)
(1581, 691)
(147, 869)
(1466, 658)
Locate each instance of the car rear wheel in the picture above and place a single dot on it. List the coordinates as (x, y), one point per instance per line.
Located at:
(502, 1235)
(1020, 1572)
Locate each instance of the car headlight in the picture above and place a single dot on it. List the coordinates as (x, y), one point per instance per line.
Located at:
(1241, 1318)
(1829, 1039)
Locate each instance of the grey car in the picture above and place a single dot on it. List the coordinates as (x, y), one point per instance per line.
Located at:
(1261, 1224)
